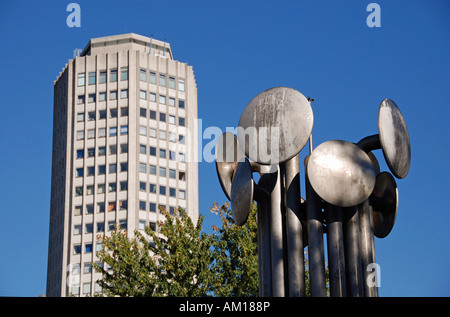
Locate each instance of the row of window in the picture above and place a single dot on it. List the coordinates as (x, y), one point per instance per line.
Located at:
(113, 94)
(100, 226)
(143, 75)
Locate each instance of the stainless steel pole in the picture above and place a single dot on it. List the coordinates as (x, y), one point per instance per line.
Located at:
(335, 247)
(367, 245)
(296, 267)
(315, 239)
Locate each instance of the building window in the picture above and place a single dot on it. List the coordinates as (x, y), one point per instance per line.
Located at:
(90, 190)
(81, 99)
(89, 228)
(162, 190)
(79, 172)
(143, 94)
(78, 210)
(111, 225)
(172, 192)
(80, 154)
(152, 96)
(172, 82)
(124, 93)
(142, 130)
(102, 96)
(124, 73)
(143, 168)
(124, 148)
(152, 132)
(113, 113)
(152, 78)
(77, 249)
(162, 80)
(162, 171)
(102, 114)
(91, 116)
(113, 131)
(162, 153)
(102, 170)
(102, 132)
(113, 149)
(91, 98)
(142, 224)
(171, 102)
(102, 151)
(77, 230)
(124, 166)
(153, 188)
(88, 248)
(142, 149)
(112, 206)
(80, 117)
(143, 75)
(142, 205)
(143, 112)
(79, 191)
(123, 205)
(113, 75)
(101, 188)
(172, 155)
(90, 170)
(123, 224)
(91, 134)
(100, 227)
(113, 95)
(181, 84)
(143, 186)
(182, 176)
(81, 79)
(181, 122)
(100, 207)
(181, 139)
(152, 151)
(102, 77)
(182, 194)
(162, 117)
(181, 157)
(89, 209)
(92, 78)
(124, 185)
(123, 129)
(152, 207)
(152, 170)
(172, 173)
(112, 168)
(87, 268)
(80, 135)
(112, 187)
(181, 104)
(172, 136)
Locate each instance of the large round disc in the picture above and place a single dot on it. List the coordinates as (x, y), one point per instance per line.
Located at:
(242, 193)
(275, 125)
(384, 202)
(228, 154)
(341, 173)
(394, 138)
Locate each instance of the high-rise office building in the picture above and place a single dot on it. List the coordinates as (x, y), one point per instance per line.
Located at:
(124, 142)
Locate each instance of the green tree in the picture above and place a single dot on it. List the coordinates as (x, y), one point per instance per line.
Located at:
(173, 262)
(235, 255)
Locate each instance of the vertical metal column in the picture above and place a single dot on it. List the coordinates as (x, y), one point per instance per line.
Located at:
(352, 253)
(335, 247)
(367, 245)
(276, 233)
(315, 239)
(296, 267)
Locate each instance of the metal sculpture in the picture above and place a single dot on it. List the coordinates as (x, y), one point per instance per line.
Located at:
(347, 197)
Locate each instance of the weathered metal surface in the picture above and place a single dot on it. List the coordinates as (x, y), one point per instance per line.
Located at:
(341, 173)
(242, 192)
(275, 125)
(384, 202)
(228, 154)
(394, 138)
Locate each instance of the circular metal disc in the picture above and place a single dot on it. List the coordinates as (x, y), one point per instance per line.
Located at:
(341, 173)
(228, 154)
(384, 202)
(275, 125)
(394, 138)
(242, 193)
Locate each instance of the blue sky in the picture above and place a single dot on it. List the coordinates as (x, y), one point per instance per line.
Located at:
(322, 48)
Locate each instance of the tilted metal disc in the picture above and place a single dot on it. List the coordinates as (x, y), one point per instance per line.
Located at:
(275, 125)
(242, 193)
(394, 138)
(341, 173)
(384, 202)
(228, 154)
